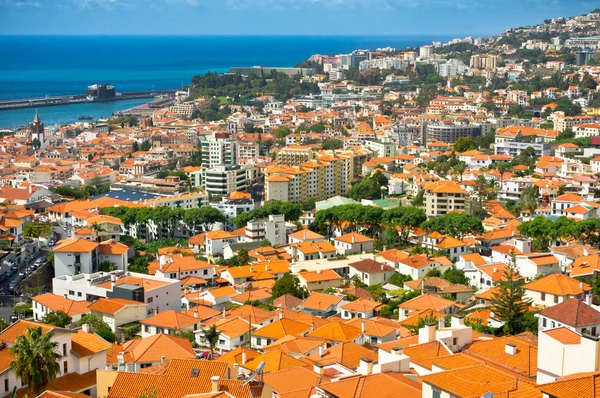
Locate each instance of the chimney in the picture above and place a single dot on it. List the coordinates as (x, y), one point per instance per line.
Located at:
(320, 351)
(281, 315)
(510, 349)
(457, 322)
(365, 366)
(588, 299)
(318, 271)
(252, 269)
(224, 313)
(441, 323)
(581, 286)
(362, 327)
(318, 369)
(243, 357)
(266, 267)
(214, 384)
(427, 333)
(85, 328)
(163, 359)
(195, 313)
(353, 239)
(585, 252)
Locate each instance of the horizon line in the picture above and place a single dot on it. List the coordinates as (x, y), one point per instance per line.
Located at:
(429, 35)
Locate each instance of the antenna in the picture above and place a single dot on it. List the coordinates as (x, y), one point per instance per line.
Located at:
(257, 375)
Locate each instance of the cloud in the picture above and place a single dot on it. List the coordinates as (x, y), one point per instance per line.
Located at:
(20, 3)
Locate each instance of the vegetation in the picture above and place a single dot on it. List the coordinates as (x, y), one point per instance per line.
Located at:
(291, 211)
(97, 326)
(510, 304)
(58, 319)
(82, 193)
(455, 225)
(37, 230)
(211, 336)
(35, 358)
(289, 284)
(370, 187)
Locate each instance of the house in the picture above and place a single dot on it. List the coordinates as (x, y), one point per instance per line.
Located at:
(353, 243)
(233, 333)
(449, 246)
(215, 298)
(375, 332)
(48, 302)
(347, 354)
(303, 251)
(392, 257)
(360, 308)
(217, 240)
(137, 354)
(75, 256)
(296, 346)
(427, 302)
(177, 266)
(258, 271)
(440, 287)
(371, 272)
(319, 280)
(554, 289)
(567, 254)
(419, 265)
(170, 322)
(106, 227)
(337, 332)
(117, 312)
(274, 331)
(115, 253)
(305, 235)
(573, 314)
(322, 305)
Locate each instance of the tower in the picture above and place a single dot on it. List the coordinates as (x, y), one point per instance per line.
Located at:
(37, 130)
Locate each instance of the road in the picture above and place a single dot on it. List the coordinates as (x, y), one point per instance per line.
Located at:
(7, 300)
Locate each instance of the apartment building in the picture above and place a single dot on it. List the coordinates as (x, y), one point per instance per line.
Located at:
(223, 180)
(562, 123)
(294, 155)
(220, 150)
(449, 131)
(272, 229)
(443, 197)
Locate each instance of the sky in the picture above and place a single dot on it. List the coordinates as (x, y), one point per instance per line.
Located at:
(278, 17)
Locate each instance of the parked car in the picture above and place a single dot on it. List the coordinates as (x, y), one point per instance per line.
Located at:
(14, 268)
(14, 317)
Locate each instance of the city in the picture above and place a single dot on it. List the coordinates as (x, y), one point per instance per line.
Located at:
(418, 222)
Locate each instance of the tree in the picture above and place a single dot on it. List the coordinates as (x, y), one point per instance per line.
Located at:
(289, 284)
(282, 132)
(464, 144)
(211, 335)
(428, 319)
(331, 144)
(243, 257)
(35, 359)
(36, 143)
(509, 300)
(97, 326)
(456, 276)
(58, 319)
(456, 225)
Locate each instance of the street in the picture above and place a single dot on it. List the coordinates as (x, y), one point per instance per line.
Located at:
(40, 277)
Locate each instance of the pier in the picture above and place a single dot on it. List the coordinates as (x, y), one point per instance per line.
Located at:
(75, 99)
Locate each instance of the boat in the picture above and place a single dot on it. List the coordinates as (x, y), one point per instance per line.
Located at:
(85, 118)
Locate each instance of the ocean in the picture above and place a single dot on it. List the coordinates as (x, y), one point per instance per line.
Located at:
(38, 66)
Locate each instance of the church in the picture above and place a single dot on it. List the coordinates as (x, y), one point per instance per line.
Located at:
(37, 132)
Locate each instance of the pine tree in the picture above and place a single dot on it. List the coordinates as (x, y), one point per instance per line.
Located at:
(509, 301)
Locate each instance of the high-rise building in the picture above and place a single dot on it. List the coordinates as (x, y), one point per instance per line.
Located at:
(425, 51)
(220, 150)
(360, 55)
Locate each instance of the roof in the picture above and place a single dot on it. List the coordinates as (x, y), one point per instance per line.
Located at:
(558, 284)
(73, 381)
(287, 301)
(171, 319)
(319, 301)
(353, 237)
(281, 328)
(425, 354)
(573, 312)
(370, 266)
(18, 328)
(523, 362)
(111, 305)
(427, 302)
(348, 354)
(294, 345)
(86, 344)
(564, 335)
(176, 382)
(386, 385)
(336, 331)
(74, 245)
(362, 305)
(292, 379)
(153, 348)
(55, 302)
(374, 327)
(319, 275)
(274, 361)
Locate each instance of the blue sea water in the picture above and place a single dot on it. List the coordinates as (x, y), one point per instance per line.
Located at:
(36, 66)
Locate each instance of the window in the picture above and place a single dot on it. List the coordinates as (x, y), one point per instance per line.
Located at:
(544, 322)
(65, 367)
(258, 341)
(6, 385)
(221, 342)
(78, 294)
(593, 330)
(64, 350)
(543, 296)
(71, 293)
(146, 328)
(435, 394)
(556, 299)
(150, 299)
(160, 330)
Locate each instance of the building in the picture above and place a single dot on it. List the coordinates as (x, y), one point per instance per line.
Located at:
(48, 302)
(294, 155)
(220, 150)
(448, 131)
(272, 229)
(159, 293)
(371, 272)
(116, 312)
(452, 67)
(223, 180)
(170, 322)
(554, 289)
(443, 197)
(573, 314)
(353, 243)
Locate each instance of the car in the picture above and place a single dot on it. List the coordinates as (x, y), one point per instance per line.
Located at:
(11, 289)
(22, 274)
(55, 223)
(64, 228)
(8, 274)
(2, 277)
(50, 243)
(207, 355)
(14, 268)
(14, 317)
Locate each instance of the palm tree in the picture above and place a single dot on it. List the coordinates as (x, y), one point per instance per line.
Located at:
(211, 335)
(35, 359)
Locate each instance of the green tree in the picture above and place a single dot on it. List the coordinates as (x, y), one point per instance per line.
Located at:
(282, 132)
(243, 257)
(289, 284)
(456, 225)
(35, 359)
(456, 276)
(464, 144)
(427, 319)
(58, 319)
(211, 335)
(331, 144)
(97, 326)
(509, 301)
(107, 266)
